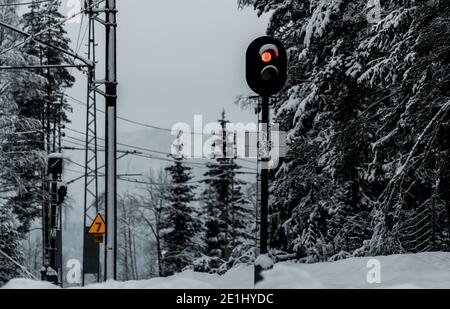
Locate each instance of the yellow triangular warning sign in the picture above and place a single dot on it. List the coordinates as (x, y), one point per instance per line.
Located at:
(98, 226)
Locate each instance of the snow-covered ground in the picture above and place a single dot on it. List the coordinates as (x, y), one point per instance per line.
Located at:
(426, 270)
(239, 278)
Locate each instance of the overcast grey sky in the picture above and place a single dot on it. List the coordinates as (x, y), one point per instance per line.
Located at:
(176, 58)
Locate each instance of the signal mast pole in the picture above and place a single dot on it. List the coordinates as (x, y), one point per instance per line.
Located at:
(266, 74)
(91, 200)
(264, 158)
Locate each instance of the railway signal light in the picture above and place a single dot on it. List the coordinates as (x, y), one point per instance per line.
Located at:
(266, 57)
(62, 193)
(266, 66)
(55, 164)
(266, 73)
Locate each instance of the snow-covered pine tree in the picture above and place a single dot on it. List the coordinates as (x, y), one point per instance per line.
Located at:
(319, 179)
(44, 105)
(180, 221)
(228, 211)
(216, 220)
(407, 53)
(19, 134)
(45, 18)
(10, 245)
(242, 212)
(366, 108)
(26, 97)
(228, 214)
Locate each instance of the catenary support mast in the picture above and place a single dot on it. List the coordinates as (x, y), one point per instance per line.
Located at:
(111, 142)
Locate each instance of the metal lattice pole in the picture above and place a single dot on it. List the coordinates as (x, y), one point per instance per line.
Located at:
(91, 198)
(91, 202)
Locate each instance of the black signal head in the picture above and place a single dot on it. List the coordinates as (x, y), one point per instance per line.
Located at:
(266, 66)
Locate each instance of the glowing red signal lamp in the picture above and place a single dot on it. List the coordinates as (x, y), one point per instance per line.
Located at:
(266, 57)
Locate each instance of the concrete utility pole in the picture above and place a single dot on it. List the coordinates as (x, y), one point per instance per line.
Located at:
(111, 140)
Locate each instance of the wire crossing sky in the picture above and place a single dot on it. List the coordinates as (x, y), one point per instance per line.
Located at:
(176, 59)
(179, 58)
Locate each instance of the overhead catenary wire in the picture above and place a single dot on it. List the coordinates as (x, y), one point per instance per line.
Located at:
(25, 3)
(136, 147)
(79, 102)
(144, 149)
(33, 36)
(79, 42)
(73, 171)
(122, 144)
(80, 29)
(139, 154)
(78, 142)
(125, 145)
(138, 123)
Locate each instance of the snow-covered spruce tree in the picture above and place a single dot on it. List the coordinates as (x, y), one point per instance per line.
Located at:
(228, 213)
(242, 212)
(407, 52)
(215, 216)
(318, 184)
(45, 20)
(179, 221)
(10, 245)
(26, 97)
(368, 128)
(287, 220)
(21, 157)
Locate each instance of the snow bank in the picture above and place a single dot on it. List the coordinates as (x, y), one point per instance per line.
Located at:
(237, 278)
(285, 276)
(425, 270)
(264, 261)
(26, 284)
